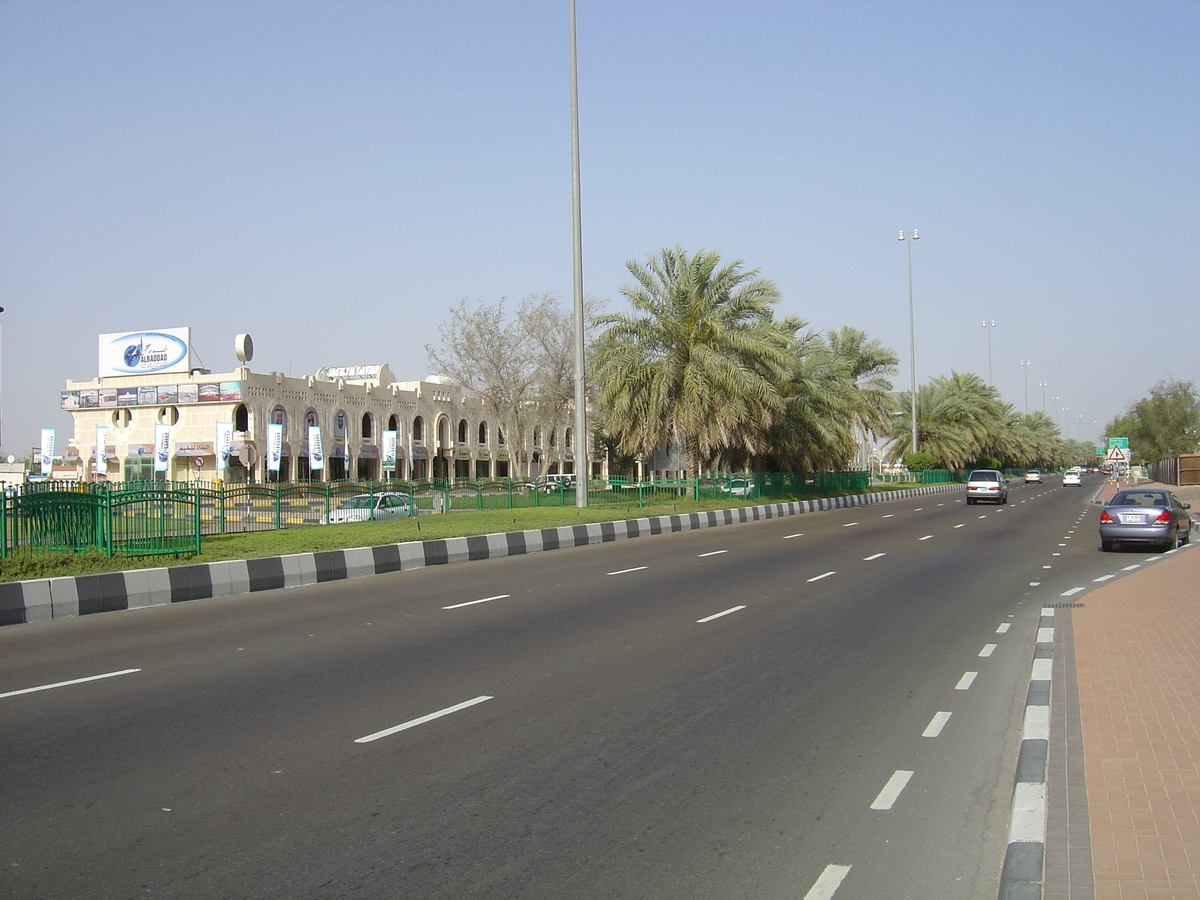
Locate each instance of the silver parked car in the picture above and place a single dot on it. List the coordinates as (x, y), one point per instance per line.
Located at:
(368, 507)
(1145, 516)
(986, 484)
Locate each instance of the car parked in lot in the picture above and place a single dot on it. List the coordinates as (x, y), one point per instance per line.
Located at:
(737, 487)
(986, 484)
(368, 507)
(1033, 476)
(1145, 516)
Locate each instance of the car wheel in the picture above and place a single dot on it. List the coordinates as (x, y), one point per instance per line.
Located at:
(1187, 535)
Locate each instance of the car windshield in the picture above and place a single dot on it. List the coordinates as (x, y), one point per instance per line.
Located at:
(363, 502)
(1140, 498)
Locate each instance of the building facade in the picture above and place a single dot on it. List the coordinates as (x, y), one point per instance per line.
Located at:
(441, 432)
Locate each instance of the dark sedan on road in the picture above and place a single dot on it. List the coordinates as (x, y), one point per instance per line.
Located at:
(1145, 516)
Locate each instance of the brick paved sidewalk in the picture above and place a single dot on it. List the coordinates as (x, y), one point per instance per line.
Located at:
(1137, 656)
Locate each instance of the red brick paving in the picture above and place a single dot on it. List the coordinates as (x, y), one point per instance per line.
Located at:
(1137, 655)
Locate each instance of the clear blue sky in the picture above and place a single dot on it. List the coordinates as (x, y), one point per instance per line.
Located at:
(331, 176)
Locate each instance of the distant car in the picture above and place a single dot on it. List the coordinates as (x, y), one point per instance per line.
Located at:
(370, 507)
(553, 484)
(986, 484)
(1072, 476)
(737, 487)
(1033, 476)
(1145, 516)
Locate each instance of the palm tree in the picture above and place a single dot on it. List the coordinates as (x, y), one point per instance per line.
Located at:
(699, 359)
(959, 420)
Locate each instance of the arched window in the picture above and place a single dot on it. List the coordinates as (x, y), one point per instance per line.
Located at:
(367, 427)
(462, 431)
(392, 423)
(553, 438)
(537, 436)
(241, 418)
(418, 429)
(483, 432)
(311, 419)
(500, 436)
(279, 417)
(567, 439)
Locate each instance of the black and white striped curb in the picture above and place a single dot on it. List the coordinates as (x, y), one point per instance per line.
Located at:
(43, 599)
(1021, 876)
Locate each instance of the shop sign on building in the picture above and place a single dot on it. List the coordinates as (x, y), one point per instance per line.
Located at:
(146, 352)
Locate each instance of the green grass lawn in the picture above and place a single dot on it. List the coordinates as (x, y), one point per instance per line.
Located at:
(308, 539)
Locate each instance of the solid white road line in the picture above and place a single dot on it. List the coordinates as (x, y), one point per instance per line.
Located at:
(875, 556)
(712, 553)
(964, 683)
(936, 724)
(473, 602)
(826, 886)
(819, 577)
(891, 791)
(627, 571)
(58, 684)
(732, 609)
(988, 650)
(421, 721)
(1003, 629)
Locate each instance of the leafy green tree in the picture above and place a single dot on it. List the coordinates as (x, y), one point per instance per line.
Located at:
(919, 461)
(1164, 425)
(699, 359)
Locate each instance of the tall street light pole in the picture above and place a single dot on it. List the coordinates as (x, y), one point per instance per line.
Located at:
(583, 466)
(911, 236)
(1043, 385)
(1025, 368)
(988, 326)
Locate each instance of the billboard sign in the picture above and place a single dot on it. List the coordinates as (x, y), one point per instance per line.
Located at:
(146, 352)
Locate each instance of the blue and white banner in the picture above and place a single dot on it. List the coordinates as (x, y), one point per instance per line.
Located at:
(316, 455)
(274, 446)
(162, 447)
(47, 451)
(101, 459)
(389, 450)
(224, 444)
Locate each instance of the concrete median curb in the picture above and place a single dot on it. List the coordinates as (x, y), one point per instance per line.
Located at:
(44, 599)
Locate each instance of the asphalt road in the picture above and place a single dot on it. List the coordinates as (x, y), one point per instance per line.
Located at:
(726, 713)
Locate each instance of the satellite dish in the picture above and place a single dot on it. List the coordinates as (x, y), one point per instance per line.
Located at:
(11, 458)
(243, 347)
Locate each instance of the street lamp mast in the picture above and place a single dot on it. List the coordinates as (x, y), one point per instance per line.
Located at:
(583, 465)
(1043, 385)
(988, 326)
(911, 236)
(1025, 368)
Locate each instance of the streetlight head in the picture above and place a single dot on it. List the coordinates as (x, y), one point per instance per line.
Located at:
(901, 236)
(915, 235)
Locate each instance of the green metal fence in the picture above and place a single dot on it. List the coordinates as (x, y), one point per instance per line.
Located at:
(156, 520)
(160, 517)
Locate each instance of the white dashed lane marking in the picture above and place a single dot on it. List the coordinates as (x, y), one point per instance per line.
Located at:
(726, 612)
(627, 571)
(819, 577)
(891, 791)
(826, 886)
(473, 602)
(936, 724)
(964, 683)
